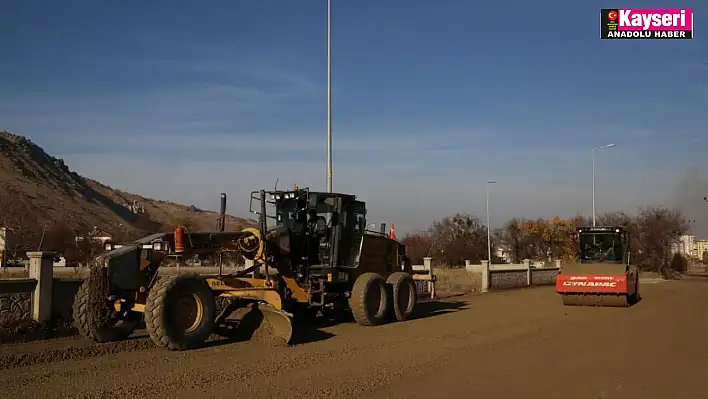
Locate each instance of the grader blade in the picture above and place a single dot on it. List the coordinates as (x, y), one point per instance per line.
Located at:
(595, 300)
(263, 322)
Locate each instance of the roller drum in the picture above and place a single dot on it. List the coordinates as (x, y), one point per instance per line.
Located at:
(597, 300)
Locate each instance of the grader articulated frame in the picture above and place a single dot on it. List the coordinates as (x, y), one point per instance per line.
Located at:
(318, 257)
(604, 276)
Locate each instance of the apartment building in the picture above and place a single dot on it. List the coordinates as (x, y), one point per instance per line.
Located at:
(701, 247)
(685, 246)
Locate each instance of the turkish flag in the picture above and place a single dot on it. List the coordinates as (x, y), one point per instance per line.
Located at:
(392, 232)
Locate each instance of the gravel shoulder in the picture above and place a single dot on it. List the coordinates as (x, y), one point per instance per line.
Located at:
(521, 343)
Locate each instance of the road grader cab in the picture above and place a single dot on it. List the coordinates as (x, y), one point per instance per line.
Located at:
(603, 276)
(315, 257)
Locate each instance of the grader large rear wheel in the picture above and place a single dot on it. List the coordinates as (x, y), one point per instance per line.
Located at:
(180, 312)
(96, 320)
(404, 295)
(369, 300)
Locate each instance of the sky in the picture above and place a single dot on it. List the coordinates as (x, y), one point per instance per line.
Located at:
(182, 100)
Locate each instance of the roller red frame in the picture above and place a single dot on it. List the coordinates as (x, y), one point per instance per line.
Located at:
(595, 283)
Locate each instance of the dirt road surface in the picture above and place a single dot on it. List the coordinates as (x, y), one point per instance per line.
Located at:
(516, 344)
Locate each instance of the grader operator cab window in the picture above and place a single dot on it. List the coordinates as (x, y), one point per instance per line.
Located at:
(602, 245)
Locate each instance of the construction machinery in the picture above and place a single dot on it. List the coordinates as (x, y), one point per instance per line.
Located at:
(315, 257)
(603, 276)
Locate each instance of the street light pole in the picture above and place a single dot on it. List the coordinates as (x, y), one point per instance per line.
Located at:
(329, 96)
(593, 179)
(489, 231)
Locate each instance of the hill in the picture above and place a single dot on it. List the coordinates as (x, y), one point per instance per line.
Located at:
(39, 191)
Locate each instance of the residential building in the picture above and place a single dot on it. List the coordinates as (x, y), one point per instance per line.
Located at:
(685, 246)
(503, 254)
(701, 247)
(96, 235)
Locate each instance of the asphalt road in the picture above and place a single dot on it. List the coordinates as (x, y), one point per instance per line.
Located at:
(515, 344)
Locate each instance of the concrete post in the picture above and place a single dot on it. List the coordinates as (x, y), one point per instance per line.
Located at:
(428, 263)
(558, 263)
(41, 268)
(529, 271)
(485, 275)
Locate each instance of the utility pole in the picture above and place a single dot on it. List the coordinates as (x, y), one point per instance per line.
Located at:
(329, 96)
(489, 228)
(593, 179)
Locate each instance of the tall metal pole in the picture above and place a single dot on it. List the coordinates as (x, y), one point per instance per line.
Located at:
(489, 234)
(593, 187)
(593, 179)
(489, 231)
(329, 96)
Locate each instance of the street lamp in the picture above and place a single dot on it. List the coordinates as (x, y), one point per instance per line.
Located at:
(593, 178)
(329, 96)
(489, 233)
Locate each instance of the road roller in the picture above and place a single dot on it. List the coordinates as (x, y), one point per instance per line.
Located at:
(603, 276)
(310, 255)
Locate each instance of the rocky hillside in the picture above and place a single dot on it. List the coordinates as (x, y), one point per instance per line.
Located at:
(36, 188)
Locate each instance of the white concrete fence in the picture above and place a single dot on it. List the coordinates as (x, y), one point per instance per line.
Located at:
(503, 276)
(39, 285)
(51, 289)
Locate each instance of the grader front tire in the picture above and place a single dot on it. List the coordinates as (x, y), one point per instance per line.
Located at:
(180, 312)
(100, 328)
(369, 301)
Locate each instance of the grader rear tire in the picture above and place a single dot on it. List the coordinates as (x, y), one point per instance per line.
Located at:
(180, 312)
(100, 328)
(370, 300)
(404, 295)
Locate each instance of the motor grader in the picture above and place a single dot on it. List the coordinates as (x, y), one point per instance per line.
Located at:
(604, 275)
(316, 256)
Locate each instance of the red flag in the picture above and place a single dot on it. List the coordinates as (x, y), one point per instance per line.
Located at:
(392, 232)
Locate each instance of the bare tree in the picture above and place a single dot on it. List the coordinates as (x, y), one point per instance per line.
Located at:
(418, 246)
(656, 229)
(58, 237)
(614, 219)
(458, 238)
(515, 240)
